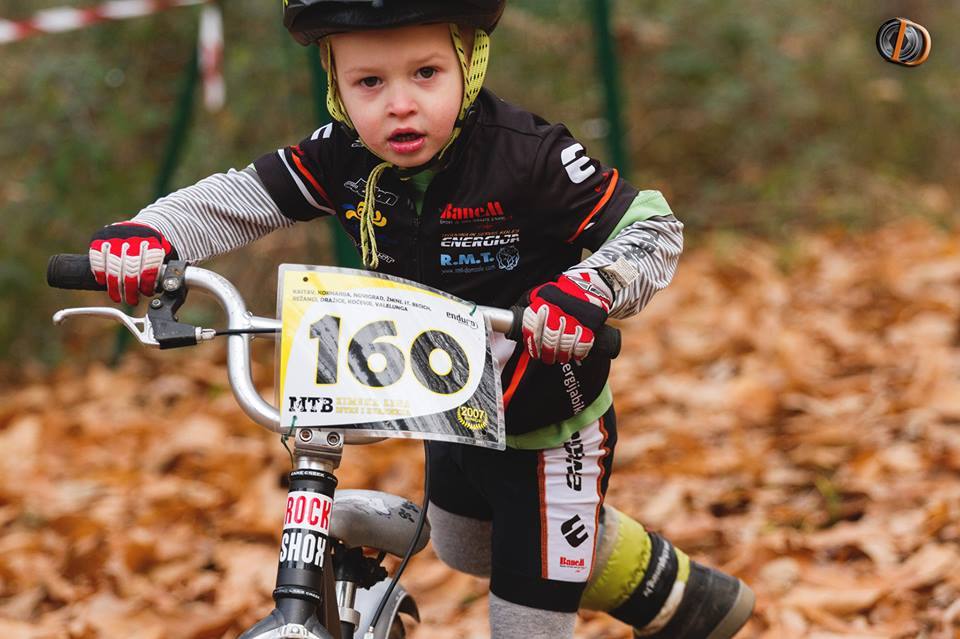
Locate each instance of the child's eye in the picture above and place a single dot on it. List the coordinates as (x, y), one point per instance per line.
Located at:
(426, 72)
(370, 82)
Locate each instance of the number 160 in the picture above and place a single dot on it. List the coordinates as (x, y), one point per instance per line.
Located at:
(364, 347)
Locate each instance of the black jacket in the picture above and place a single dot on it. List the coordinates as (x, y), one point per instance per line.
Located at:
(515, 206)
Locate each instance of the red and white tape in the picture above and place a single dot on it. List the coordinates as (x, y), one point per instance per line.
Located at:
(68, 19)
(64, 19)
(211, 57)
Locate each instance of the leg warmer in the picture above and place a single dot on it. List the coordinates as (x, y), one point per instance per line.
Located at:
(463, 543)
(513, 621)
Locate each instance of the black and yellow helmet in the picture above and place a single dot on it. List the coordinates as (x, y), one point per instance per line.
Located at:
(310, 20)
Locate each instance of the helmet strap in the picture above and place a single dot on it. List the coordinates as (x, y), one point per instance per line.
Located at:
(334, 104)
(473, 75)
(368, 239)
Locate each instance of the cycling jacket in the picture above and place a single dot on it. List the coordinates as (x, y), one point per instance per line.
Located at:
(516, 204)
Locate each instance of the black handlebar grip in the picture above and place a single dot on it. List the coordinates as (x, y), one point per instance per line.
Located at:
(606, 341)
(72, 272)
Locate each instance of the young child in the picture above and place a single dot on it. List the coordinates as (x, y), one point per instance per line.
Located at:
(440, 181)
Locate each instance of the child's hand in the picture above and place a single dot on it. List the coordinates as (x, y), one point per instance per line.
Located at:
(559, 322)
(126, 256)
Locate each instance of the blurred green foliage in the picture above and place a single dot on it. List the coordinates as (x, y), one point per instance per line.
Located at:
(760, 116)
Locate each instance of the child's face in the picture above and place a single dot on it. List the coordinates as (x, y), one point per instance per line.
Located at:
(402, 88)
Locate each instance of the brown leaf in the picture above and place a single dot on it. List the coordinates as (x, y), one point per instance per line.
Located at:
(839, 601)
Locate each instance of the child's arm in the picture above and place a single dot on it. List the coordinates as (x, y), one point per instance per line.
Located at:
(218, 214)
(640, 259)
(633, 235)
(618, 280)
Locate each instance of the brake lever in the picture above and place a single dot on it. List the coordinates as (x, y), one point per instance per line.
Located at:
(141, 327)
(160, 327)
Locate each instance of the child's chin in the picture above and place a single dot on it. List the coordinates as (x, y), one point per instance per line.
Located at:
(408, 161)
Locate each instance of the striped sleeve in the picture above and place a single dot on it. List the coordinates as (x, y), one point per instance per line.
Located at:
(216, 215)
(642, 255)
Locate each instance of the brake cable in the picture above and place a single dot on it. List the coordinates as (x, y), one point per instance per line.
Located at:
(413, 544)
(244, 331)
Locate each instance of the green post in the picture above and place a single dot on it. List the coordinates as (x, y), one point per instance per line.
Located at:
(607, 63)
(168, 164)
(344, 252)
(180, 127)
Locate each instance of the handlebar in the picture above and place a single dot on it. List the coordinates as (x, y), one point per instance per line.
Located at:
(68, 271)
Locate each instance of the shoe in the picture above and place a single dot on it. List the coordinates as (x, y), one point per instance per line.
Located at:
(714, 605)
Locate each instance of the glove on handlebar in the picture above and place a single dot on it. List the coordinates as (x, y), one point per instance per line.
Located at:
(126, 256)
(559, 322)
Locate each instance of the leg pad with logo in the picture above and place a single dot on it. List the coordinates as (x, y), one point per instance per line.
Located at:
(641, 579)
(636, 571)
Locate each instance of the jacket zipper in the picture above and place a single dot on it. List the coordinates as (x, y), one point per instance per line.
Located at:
(418, 249)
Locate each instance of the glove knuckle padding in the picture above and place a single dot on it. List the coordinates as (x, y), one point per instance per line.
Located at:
(127, 256)
(561, 317)
(589, 314)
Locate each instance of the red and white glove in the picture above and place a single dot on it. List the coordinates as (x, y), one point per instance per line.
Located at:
(126, 256)
(559, 322)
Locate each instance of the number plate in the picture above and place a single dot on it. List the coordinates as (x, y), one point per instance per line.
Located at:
(386, 357)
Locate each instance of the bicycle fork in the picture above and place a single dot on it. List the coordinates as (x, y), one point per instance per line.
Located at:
(308, 604)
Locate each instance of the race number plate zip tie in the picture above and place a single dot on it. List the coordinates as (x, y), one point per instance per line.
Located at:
(288, 435)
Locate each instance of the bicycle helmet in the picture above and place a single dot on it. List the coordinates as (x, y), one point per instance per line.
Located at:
(310, 20)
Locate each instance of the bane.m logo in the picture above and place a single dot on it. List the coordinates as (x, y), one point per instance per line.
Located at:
(574, 531)
(575, 164)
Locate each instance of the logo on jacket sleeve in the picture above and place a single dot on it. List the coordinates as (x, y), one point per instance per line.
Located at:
(578, 166)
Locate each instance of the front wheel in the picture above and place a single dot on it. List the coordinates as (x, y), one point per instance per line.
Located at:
(390, 625)
(397, 629)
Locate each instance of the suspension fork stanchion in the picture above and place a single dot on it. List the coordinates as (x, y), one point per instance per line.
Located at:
(300, 593)
(346, 604)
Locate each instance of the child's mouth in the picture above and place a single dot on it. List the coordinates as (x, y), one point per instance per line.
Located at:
(404, 142)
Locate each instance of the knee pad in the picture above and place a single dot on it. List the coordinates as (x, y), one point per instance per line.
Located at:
(463, 543)
(637, 575)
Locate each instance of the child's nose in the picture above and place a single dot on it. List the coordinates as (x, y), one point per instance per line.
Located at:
(401, 103)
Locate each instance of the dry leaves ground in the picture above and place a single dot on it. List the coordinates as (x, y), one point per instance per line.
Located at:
(789, 414)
